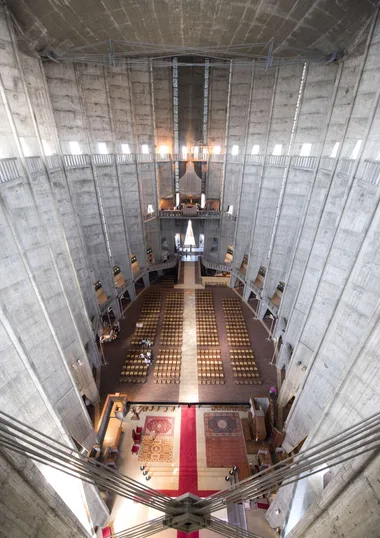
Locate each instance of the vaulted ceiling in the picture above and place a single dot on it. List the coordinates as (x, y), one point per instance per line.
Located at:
(216, 26)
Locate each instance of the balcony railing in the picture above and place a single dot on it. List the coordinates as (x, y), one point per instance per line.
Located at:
(144, 157)
(370, 172)
(125, 158)
(101, 159)
(160, 266)
(161, 157)
(53, 162)
(35, 165)
(225, 268)
(327, 164)
(346, 167)
(306, 163)
(217, 158)
(255, 159)
(277, 160)
(179, 214)
(76, 161)
(9, 170)
(192, 156)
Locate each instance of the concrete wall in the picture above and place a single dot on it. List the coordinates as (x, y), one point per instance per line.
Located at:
(44, 323)
(334, 322)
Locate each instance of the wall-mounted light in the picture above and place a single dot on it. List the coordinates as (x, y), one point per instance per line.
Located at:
(145, 149)
(217, 150)
(235, 149)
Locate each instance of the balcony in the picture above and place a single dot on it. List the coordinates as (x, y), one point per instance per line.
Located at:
(102, 159)
(149, 216)
(35, 165)
(76, 161)
(223, 267)
(183, 214)
(9, 170)
(346, 167)
(304, 163)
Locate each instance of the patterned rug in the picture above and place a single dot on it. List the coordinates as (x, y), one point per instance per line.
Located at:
(159, 426)
(225, 445)
(157, 449)
(222, 425)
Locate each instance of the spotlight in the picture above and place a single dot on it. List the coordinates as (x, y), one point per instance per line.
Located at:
(145, 472)
(142, 467)
(230, 473)
(278, 511)
(235, 469)
(147, 478)
(227, 478)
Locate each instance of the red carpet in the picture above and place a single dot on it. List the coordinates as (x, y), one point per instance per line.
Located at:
(188, 467)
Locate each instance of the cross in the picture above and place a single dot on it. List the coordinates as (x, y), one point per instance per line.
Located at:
(188, 466)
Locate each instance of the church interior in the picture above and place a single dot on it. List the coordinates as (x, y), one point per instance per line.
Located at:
(189, 269)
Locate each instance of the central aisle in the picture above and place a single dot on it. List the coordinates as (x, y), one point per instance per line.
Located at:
(188, 388)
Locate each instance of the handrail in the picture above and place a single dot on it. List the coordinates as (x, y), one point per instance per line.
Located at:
(178, 214)
(346, 166)
(217, 266)
(53, 162)
(370, 172)
(255, 159)
(9, 169)
(144, 157)
(102, 159)
(277, 160)
(327, 164)
(306, 163)
(35, 165)
(124, 158)
(76, 161)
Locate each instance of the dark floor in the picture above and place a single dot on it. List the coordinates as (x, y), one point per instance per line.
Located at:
(115, 353)
(263, 349)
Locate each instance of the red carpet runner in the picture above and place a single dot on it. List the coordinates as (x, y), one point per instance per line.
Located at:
(188, 466)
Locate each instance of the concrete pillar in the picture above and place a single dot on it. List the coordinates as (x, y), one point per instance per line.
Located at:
(146, 280)
(132, 292)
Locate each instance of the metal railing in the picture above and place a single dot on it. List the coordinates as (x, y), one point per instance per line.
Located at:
(346, 167)
(277, 160)
(53, 162)
(370, 172)
(144, 157)
(163, 157)
(160, 266)
(125, 158)
(192, 156)
(102, 159)
(178, 214)
(241, 276)
(235, 158)
(255, 159)
(226, 268)
(327, 164)
(35, 165)
(9, 169)
(217, 158)
(76, 161)
(306, 163)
